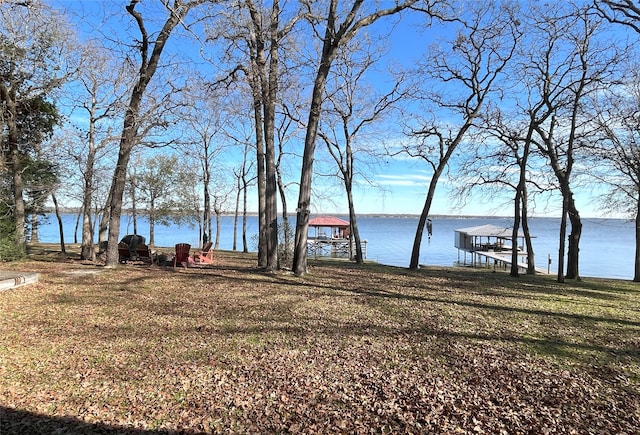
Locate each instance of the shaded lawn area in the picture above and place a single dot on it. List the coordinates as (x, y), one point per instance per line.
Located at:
(346, 349)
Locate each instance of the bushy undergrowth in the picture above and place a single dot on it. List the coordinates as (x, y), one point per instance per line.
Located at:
(10, 249)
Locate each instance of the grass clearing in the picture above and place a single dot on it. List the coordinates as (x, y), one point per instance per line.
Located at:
(345, 349)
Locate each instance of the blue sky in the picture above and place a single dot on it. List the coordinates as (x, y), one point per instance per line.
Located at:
(404, 181)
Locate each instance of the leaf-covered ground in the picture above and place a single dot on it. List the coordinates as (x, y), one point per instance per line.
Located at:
(346, 349)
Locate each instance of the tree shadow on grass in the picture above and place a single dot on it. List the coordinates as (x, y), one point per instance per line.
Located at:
(381, 289)
(379, 293)
(588, 286)
(372, 288)
(20, 422)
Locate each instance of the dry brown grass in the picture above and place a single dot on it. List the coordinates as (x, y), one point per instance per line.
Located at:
(346, 349)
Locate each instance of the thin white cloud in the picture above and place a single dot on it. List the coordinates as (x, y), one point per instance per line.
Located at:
(405, 183)
(403, 179)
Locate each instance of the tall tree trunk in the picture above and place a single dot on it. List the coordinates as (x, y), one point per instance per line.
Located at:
(119, 180)
(286, 229)
(236, 215)
(87, 252)
(18, 196)
(270, 93)
(76, 226)
(561, 246)
(304, 196)
(335, 36)
(15, 164)
(262, 188)
(514, 234)
(422, 221)
(636, 268)
(206, 215)
(217, 242)
(17, 184)
(573, 257)
(34, 227)
(329, 47)
(103, 226)
(152, 224)
(257, 82)
(271, 194)
(264, 83)
(245, 243)
(347, 175)
(531, 263)
(355, 232)
(60, 226)
(524, 197)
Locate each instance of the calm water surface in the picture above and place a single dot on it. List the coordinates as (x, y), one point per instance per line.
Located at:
(606, 247)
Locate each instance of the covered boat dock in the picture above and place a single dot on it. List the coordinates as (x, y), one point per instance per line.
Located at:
(331, 237)
(489, 242)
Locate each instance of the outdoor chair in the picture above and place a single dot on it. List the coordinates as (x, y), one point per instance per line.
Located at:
(182, 255)
(124, 253)
(143, 253)
(206, 255)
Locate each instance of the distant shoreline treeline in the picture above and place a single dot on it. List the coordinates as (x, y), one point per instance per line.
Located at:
(129, 212)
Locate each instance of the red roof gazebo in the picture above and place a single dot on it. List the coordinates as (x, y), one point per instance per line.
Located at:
(339, 228)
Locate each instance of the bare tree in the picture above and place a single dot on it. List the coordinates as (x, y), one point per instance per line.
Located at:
(340, 27)
(266, 41)
(623, 147)
(150, 50)
(201, 119)
(617, 155)
(350, 109)
(506, 141)
(257, 38)
(267, 81)
(471, 68)
(223, 187)
(99, 88)
(567, 65)
(625, 12)
(286, 129)
(239, 131)
(244, 180)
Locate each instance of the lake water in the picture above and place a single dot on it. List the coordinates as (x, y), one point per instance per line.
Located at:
(607, 246)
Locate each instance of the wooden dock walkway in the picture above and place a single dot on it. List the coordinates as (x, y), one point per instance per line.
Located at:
(504, 257)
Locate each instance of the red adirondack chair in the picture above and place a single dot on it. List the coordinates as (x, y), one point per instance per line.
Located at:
(204, 256)
(182, 255)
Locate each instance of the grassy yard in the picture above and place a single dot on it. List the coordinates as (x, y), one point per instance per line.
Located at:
(346, 349)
